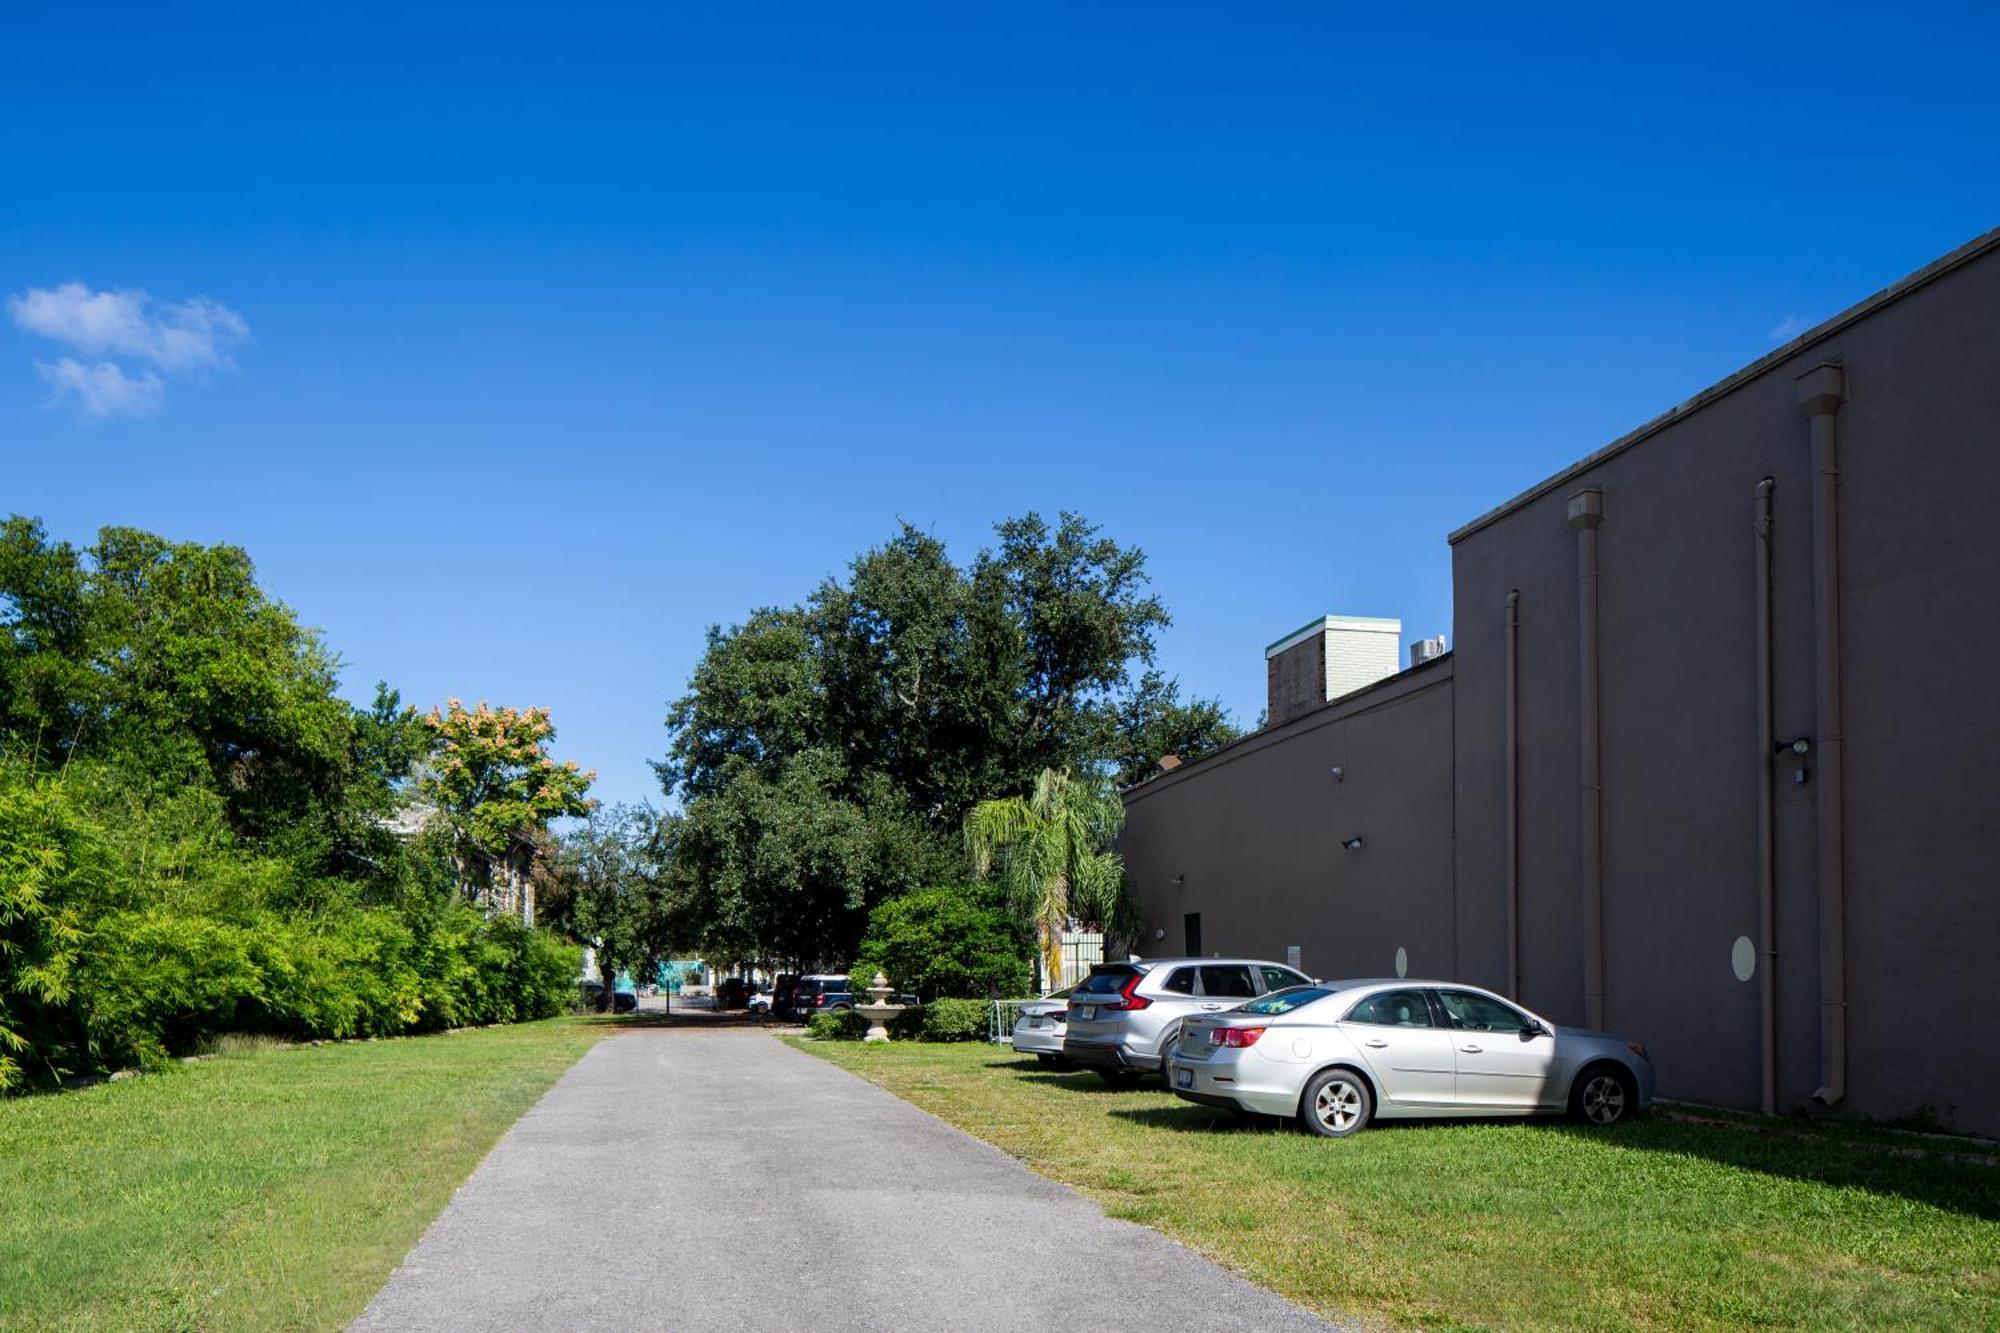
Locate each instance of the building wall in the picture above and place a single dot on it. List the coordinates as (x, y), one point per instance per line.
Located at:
(1256, 829)
(1251, 837)
(1919, 583)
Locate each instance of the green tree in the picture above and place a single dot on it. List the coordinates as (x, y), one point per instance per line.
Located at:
(168, 658)
(496, 787)
(783, 868)
(606, 891)
(1153, 723)
(1050, 851)
(908, 690)
(1079, 616)
(951, 941)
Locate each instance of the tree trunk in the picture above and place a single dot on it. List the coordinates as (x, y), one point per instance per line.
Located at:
(608, 970)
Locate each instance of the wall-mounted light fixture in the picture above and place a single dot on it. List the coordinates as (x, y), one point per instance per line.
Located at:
(1160, 933)
(1352, 844)
(1179, 880)
(1339, 775)
(1798, 749)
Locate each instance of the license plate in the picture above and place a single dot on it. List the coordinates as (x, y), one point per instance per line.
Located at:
(1184, 1078)
(1086, 1012)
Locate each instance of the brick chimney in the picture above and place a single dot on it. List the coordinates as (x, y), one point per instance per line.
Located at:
(1327, 658)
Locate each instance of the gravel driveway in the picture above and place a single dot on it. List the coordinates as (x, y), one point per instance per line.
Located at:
(720, 1180)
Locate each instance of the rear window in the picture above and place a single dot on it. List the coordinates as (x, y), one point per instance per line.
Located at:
(1106, 981)
(1284, 1001)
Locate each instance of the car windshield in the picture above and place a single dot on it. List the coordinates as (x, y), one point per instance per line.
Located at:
(1284, 1001)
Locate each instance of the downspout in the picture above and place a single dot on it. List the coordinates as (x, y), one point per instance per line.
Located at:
(1767, 913)
(1586, 513)
(1514, 794)
(1821, 392)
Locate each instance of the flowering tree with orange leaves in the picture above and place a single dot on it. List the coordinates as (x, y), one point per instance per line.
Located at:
(495, 784)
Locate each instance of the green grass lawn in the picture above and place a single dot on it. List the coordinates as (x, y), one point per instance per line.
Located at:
(1658, 1224)
(269, 1187)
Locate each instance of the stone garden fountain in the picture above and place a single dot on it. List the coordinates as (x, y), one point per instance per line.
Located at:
(879, 1011)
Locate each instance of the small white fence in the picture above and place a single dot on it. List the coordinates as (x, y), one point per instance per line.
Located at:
(1000, 1024)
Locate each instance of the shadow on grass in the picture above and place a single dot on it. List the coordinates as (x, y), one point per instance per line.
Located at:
(1948, 1183)
(1076, 1078)
(1941, 1181)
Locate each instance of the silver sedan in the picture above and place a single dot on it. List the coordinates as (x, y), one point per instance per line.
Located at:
(1336, 1054)
(1040, 1026)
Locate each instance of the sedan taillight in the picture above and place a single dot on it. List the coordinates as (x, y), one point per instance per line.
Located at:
(1237, 1036)
(1058, 1015)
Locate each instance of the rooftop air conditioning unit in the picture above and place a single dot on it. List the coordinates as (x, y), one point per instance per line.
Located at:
(1423, 650)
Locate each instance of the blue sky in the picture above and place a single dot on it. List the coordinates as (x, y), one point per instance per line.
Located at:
(568, 332)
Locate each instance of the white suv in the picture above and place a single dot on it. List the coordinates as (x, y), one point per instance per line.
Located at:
(1125, 1016)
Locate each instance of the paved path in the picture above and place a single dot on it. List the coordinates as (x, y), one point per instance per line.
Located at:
(719, 1180)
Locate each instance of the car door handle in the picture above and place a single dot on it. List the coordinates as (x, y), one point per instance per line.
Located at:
(1376, 1042)
(1471, 1050)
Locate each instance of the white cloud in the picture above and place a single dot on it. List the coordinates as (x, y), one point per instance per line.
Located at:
(104, 390)
(190, 337)
(179, 337)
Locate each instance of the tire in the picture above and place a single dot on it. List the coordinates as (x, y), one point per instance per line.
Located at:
(1167, 1044)
(1337, 1103)
(1602, 1096)
(1120, 1078)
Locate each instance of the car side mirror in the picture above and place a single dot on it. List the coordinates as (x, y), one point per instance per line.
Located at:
(1532, 1031)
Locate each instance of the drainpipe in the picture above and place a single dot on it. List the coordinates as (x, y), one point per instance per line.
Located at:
(1586, 513)
(1767, 1003)
(1821, 392)
(1514, 794)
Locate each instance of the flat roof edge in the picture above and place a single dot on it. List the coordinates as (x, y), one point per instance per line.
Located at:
(1367, 624)
(1895, 291)
(1387, 690)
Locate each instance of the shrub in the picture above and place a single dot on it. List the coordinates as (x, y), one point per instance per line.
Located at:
(948, 941)
(157, 983)
(841, 1025)
(956, 1020)
(48, 858)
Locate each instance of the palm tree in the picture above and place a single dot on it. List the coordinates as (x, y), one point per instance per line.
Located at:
(1052, 851)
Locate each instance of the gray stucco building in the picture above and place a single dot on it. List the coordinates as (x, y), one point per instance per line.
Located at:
(1716, 760)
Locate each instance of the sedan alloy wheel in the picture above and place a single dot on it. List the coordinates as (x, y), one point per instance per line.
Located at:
(1336, 1104)
(1603, 1097)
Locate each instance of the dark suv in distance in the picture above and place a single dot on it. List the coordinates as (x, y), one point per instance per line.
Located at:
(820, 993)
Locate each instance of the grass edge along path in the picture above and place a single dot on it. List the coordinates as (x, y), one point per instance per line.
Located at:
(1501, 1224)
(268, 1187)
